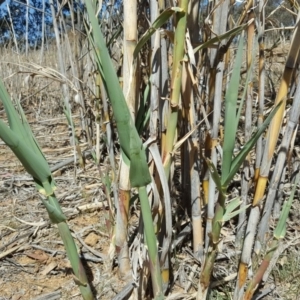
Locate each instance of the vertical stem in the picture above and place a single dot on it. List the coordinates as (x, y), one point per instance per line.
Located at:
(130, 92)
(246, 175)
(216, 82)
(152, 246)
(168, 142)
(192, 145)
(62, 70)
(212, 249)
(261, 87)
(43, 31)
(276, 122)
(175, 84)
(26, 30)
(71, 249)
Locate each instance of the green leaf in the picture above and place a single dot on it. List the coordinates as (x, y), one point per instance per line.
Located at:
(230, 210)
(130, 142)
(233, 32)
(280, 230)
(143, 113)
(54, 213)
(15, 123)
(32, 142)
(215, 176)
(249, 73)
(230, 112)
(139, 172)
(239, 159)
(116, 97)
(34, 163)
(22, 142)
(161, 20)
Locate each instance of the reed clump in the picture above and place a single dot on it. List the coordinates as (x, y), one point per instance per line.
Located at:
(191, 127)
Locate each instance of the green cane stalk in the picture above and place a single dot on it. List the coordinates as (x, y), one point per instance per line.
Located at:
(230, 165)
(279, 234)
(130, 142)
(19, 137)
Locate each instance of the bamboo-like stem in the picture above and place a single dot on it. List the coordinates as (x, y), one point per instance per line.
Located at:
(98, 93)
(190, 161)
(274, 129)
(108, 128)
(129, 68)
(168, 142)
(71, 250)
(211, 184)
(261, 87)
(217, 63)
(130, 92)
(156, 277)
(277, 173)
(266, 162)
(131, 145)
(164, 105)
(260, 272)
(230, 166)
(205, 180)
(155, 88)
(246, 175)
(175, 84)
(121, 231)
(280, 191)
(246, 252)
(167, 228)
(70, 246)
(279, 234)
(192, 145)
(207, 184)
(155, 84)
(196, 200)
(212, 249)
